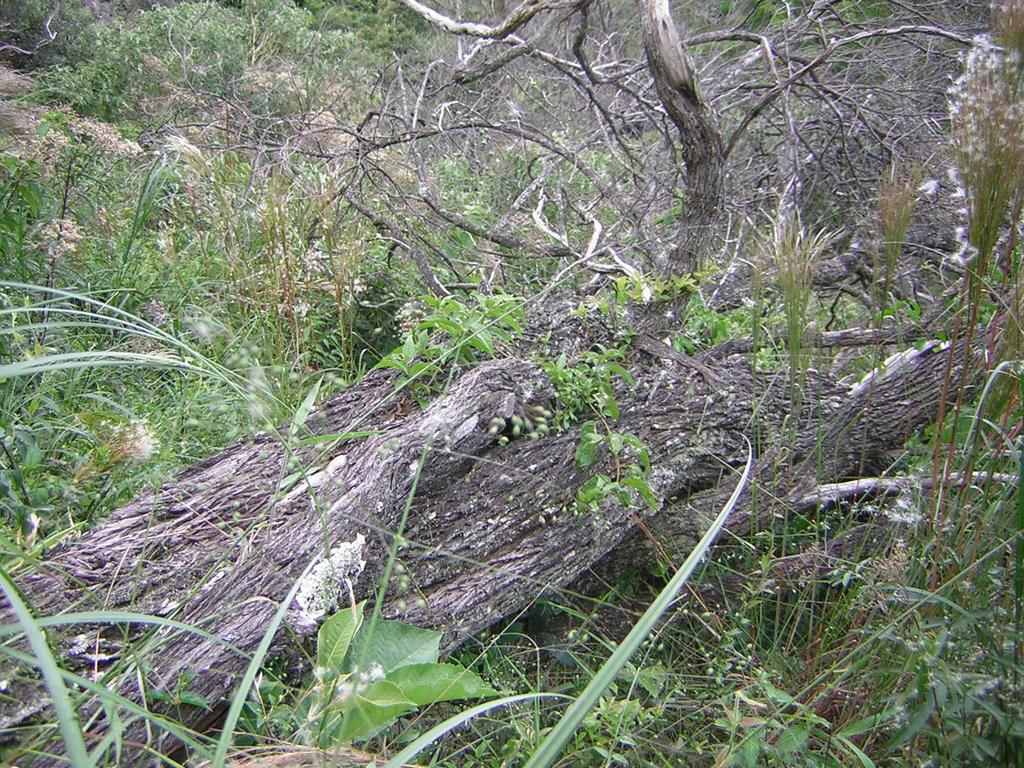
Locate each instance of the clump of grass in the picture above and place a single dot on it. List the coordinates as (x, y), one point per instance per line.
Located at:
(896, 202)
(1008, 24)
(987, 112)
(795, 254)
(300, 266)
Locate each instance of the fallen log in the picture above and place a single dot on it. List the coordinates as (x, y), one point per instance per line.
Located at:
(482, 528)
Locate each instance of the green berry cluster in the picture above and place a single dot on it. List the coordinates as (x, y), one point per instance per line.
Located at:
(533, 422)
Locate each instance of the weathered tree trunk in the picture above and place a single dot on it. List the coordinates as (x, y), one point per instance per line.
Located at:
(490, 527)
(699, 136)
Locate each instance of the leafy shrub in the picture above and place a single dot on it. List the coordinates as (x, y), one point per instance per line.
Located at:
(42, 29)
(383, 27)
(158, 61)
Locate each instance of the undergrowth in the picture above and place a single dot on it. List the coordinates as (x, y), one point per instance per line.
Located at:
(160, 299)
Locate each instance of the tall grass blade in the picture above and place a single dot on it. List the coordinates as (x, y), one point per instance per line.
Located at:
(77, 360)
(117, 617)
(227, 734)
(439, 730)
(67, 720)
(1018, 573)
(553, 743)
(180, 732)
(105, 316)
(156, 178)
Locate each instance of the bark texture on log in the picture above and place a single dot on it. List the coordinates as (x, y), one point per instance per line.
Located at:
(700, 139)
(489, 529)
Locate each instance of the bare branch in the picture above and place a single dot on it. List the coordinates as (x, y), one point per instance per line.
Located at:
(522, 14)
(824, 56)
(392, 230)
(49, 36)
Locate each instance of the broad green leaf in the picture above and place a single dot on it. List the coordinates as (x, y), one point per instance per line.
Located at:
(590, 439)
(621, 372)
(641, 451)
(193, 699)
(371, 710)
(395, 645)
(409, 348)
(642, 487)
(611, 405)
(482, 342)
(449, 327)
(652, 678)
(335, 637)
(425, 684)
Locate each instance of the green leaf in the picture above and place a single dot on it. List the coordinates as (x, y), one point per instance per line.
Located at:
(446, 325)
(335, 637)
(428, 683)
(856, 751)
(866, 724)
(621, 372)
(643, 456)
(594, 491)
(590, 439)
(652, 679)
(642, 487)
(482, 342)
(611, 405)
(409, 349)
(193, 699)
(60, 698)
(395, 645)
(373, 709)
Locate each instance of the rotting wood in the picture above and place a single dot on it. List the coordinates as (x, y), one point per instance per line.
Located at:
(490, 528)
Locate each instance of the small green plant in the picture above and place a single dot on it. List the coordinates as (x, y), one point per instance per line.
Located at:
(588, 386)
(608, 729)
(968, 711)
(767, 726)
(704, 327)
(636, 288)
(181, 695)
(630, 479)
(646, 289)
(554, 741)
(454, 333)
(366, 676)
